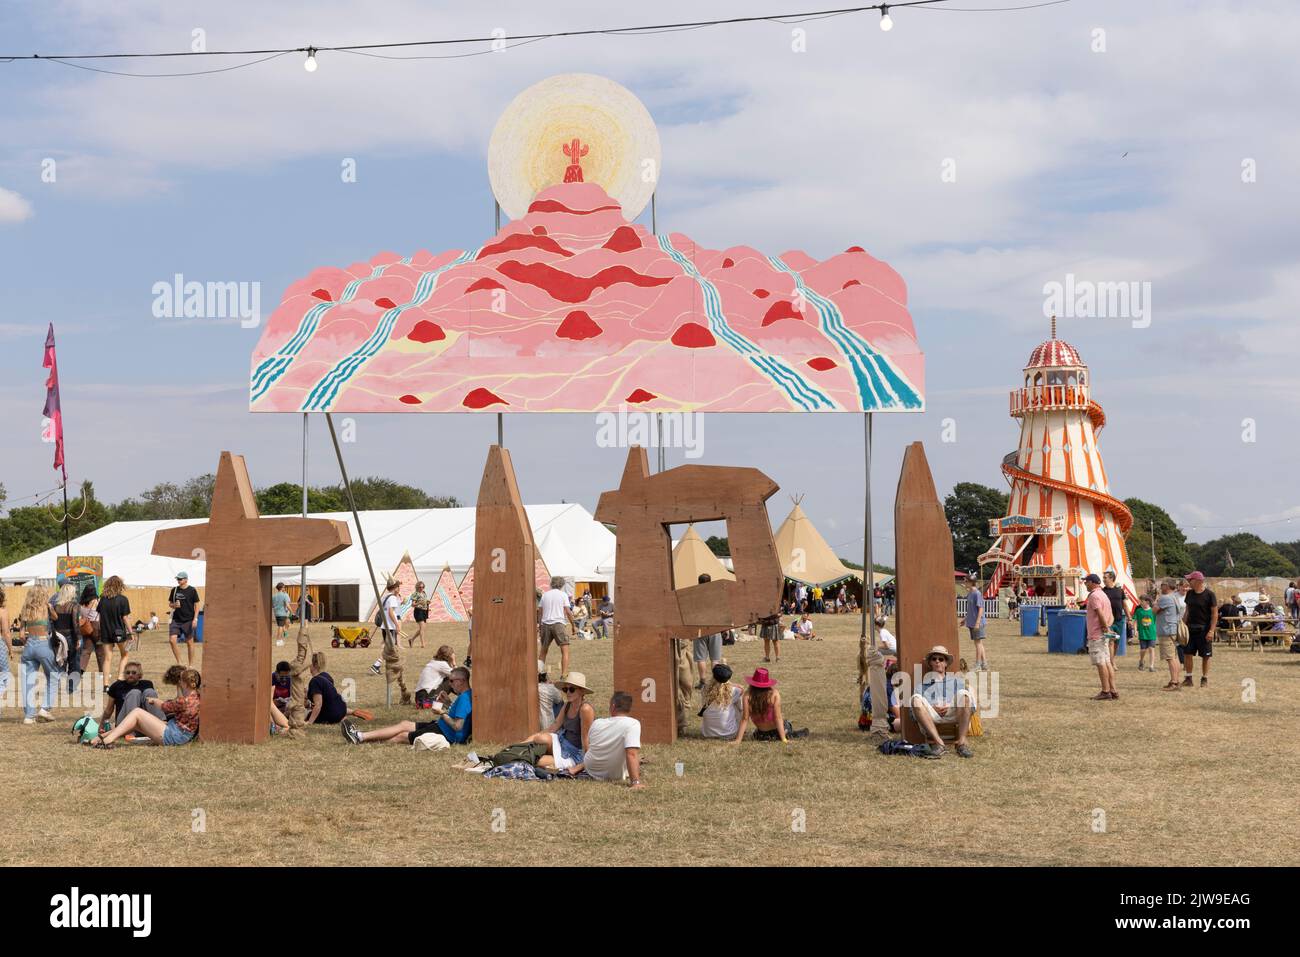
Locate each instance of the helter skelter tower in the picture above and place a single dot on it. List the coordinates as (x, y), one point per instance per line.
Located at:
(1062, 521)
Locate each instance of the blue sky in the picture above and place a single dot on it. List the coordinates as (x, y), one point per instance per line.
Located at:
(235, 177)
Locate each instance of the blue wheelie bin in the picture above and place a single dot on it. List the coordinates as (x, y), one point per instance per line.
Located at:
(1029, 621)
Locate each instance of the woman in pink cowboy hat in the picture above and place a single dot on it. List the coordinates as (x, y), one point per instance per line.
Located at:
(763, 708)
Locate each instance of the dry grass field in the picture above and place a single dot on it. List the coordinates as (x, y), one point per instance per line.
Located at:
(1200, 777)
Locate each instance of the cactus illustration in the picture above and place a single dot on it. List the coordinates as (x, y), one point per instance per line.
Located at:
(575, 150)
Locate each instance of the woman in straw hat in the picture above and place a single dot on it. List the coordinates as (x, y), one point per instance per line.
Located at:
(566, 739)
(762, 706)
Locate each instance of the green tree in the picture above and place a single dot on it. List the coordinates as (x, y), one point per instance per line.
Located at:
(1173, 556)
(968, 509)
(379, 493)
(167, 500)
(26, 531)
(286, 499)
(719, 545)
(1290, 551)
(1251, 557)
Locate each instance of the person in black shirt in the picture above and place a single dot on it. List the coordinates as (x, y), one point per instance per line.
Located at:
(113, 629)
(184, 602)
(131, 692)
(1201, 617)
(327, 705)
(1116, 595)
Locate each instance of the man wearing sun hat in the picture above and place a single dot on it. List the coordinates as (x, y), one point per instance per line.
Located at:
(1202, 617)
(943, 700)
(184, 602)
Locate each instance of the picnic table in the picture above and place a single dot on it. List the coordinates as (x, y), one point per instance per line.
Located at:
(1254, 628)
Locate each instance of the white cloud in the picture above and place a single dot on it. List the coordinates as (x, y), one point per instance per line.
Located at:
(13, 208)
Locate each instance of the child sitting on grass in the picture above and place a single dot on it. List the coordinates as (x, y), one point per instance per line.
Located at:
(281, 686)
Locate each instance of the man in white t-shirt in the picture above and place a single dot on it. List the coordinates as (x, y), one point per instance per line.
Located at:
(887, 641)
(391, 655)
(555, 613)
(614, 744)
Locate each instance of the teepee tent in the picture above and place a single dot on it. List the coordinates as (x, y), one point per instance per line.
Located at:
(406, 574)
(692, 558)
(541, 579)
(446, 603)
(805, 556)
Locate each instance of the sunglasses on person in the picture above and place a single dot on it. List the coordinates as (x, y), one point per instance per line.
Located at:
(936, 658)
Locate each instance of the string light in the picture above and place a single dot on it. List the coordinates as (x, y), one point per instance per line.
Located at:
(886, 23)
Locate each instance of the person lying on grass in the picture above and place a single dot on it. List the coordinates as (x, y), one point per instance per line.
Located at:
(182, 722)
(566, 739)
(455, 725)
(762, 706)
(943, 700)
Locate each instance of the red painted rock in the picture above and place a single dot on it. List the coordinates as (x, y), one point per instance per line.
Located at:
(821, 364)
(577, 325)
(486, 282)
(323, 294)
(409, 399)
(426, 331)
(481, 399)
(623, 240)
(781, 309)
(728, 263)
(761, 293)
(640, 395)
(539, 230)
(385, 303)
(851, 282)
(692, 335)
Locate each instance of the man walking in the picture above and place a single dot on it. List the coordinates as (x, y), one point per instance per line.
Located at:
(974, 622)
(1100, 618)
(555, 613)
(1201, 617)
(184, 602)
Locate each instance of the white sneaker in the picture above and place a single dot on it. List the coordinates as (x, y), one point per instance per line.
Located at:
(44, 715)
(29, 720)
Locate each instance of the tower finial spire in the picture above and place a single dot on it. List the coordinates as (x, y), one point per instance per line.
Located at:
(1053, 325)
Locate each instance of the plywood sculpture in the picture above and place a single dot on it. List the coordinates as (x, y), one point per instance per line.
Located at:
(240, 549)
(541, 578)
(923, 554)
(505, 616)
(651, 608)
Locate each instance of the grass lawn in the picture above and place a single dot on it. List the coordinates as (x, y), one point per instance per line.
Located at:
(1197, 777)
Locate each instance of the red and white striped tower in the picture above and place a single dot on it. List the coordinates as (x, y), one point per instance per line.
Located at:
(1062, 521)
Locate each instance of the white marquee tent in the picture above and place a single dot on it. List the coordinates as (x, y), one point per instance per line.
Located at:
(572, 544)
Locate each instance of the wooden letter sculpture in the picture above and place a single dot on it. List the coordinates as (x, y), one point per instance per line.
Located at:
(648, 610)
(240, 549)
(505, 608)
(923, 553)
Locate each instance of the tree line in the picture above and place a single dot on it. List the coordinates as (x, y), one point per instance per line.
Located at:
(31, 529)
(1241, 555)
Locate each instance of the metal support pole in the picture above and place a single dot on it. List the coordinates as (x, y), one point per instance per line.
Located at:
(654, 217)
(869, 587)
(501, 430)
(497, 216)
(1153, 554)
(352, 504)
(67, 540)
(302, 590)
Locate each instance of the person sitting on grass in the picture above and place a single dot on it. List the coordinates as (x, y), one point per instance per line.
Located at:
(803, 628)
(943, 700)
(182, 718)
(891, 696)
(455, 726)
(720, 716)
(613, 749)
(762, 706)
(565, 738)
(281, 680)
(433, 676)
(133, 691)
(327, 705)
(549, 698)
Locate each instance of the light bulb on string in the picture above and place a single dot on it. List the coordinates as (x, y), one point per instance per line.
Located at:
(310, 64)
(886, 21)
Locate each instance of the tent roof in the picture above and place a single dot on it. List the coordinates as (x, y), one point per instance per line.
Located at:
(435, 537)
(692, 558)
(805, 556)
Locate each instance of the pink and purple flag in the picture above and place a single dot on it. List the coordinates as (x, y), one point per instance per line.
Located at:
(52, 424)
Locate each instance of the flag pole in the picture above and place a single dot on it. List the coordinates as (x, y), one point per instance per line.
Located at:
(67, 540)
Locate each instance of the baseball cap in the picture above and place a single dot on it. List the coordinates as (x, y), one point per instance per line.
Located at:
(1094, 578)
(182, 576)
(1195, 577)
